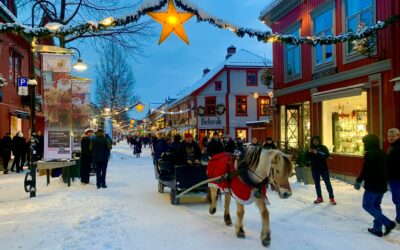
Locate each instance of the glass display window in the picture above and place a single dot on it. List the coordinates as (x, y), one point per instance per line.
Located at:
(344, 123)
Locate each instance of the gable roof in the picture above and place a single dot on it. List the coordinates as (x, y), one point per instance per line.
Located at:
(241, 59)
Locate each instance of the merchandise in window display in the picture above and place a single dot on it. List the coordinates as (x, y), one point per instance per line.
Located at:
(348, 130)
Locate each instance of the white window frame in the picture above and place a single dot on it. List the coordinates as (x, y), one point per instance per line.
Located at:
(354, 56)
(292, 28)
(329, 5)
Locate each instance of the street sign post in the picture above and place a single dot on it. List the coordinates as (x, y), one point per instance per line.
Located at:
(23, 86)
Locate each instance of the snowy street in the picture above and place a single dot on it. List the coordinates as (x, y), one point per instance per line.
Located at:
(131, 214)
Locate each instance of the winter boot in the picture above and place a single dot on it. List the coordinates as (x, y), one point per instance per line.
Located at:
(332, 201)
(389, 227)
(375, 232)
(318, 200)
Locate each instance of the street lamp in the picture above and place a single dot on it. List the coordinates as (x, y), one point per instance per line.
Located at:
(139, 107)
(80, 65)
(31, 175)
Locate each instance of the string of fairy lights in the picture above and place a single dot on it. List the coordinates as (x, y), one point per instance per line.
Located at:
(109, 23)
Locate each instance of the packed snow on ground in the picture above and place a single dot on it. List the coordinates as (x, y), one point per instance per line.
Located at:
(131, 214)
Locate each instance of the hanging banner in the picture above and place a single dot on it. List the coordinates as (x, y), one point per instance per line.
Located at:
(57, 106)
(80, 110)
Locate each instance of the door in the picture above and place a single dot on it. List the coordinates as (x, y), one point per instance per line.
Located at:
(294, 127)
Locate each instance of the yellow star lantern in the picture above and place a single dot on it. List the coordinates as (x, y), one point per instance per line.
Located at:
(139, 107)
(172, 21)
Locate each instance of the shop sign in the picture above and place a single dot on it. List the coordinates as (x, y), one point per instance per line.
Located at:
(325, 73)
(210, 122)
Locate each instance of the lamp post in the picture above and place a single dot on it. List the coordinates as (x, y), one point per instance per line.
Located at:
(31, 175)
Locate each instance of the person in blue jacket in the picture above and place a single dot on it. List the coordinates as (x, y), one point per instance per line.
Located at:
(317, 155)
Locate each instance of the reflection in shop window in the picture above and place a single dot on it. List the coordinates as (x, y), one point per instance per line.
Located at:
(344, 124)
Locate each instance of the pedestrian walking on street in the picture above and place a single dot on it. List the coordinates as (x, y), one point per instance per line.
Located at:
(86, 156)
(138, 147)
(269, 143)
(394, 168)
(375, 184)
(215, 146)
(101, 147)
(318, 155)
(18, 148)
(5, 149)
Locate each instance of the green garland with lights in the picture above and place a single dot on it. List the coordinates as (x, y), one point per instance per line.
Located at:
(153, 6)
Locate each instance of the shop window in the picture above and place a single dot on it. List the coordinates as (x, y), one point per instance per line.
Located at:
(241, 133)
(344, 123)
(252, 79)
(211, 102)
(295, 126)
(263, 106)
(15, 125)
(292, 58)
(306, 124)
(241, 105)
(323, 26)
(357, 13)
(218, 85)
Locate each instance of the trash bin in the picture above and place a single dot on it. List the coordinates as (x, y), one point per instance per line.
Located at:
(74, 171)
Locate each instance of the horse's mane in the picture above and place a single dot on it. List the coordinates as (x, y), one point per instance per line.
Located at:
(288, 165)
(251, 157)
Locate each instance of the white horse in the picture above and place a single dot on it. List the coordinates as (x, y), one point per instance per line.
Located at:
(258, 167)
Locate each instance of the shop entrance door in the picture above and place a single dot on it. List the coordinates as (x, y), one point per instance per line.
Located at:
(294, 128)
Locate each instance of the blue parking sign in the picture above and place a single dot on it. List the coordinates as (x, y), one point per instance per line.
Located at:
(22, 81)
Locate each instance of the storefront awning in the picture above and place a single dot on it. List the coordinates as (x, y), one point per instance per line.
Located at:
(181, 130)
(353, 90)
(165, 130)
(258, 123)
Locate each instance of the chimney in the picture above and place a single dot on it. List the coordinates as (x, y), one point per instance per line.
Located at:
(230, 51)
(206, 71)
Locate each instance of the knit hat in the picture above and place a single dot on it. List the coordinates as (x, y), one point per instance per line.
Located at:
(88, 130)
(188, 135)
(394, 131)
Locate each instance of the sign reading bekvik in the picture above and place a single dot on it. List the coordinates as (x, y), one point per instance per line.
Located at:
(210, 123)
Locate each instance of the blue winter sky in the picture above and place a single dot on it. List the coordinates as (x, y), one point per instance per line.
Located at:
(168, 68)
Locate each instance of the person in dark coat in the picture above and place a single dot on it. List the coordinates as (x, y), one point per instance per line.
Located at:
(173, 148)
(394, 168)
(189, 151)
(86, 156)
(18, 147)
(269, 143)
(40, 147)
(138, 147)
(254, 142)
(317, 155)
(375, 184)
(5, 149)
(215, 146)
(162, 147)
(101, 147)
(230, 145)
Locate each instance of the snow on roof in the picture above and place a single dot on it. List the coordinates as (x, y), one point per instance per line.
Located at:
(242, 58)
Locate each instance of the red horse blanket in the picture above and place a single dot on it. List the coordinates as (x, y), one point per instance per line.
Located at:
(223, 163)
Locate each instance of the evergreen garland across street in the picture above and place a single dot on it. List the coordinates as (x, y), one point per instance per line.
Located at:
(202, 16)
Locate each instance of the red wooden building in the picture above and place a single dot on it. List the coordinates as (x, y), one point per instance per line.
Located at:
(332, 90)
(15, 62)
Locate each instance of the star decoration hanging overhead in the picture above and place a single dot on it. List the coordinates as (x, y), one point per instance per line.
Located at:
(172, 21)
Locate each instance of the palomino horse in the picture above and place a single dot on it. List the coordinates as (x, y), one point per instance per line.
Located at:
(252, 173)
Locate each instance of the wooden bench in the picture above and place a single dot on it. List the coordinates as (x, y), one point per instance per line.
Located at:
(48, 165)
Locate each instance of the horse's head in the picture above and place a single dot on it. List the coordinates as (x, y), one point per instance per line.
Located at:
(281, 171)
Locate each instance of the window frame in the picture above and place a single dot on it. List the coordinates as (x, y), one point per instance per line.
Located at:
(237, 103)
(206, 100)
(218, 85)
(320, 10)
(354, 56)
(260, 105)
(253, 71)
(291, 29)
